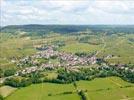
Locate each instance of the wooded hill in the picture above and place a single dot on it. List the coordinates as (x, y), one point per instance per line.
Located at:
(36, 29)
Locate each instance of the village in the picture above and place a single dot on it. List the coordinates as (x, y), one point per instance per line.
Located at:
(68, 60)
(65, 60)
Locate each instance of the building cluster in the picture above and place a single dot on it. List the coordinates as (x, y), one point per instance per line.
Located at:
(28, 70)
(65, 60)
(123, 67)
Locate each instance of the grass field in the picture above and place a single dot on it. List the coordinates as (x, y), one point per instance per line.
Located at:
(50, 75)
(111, 88)
(6, 90)
(80, 47)
(14, 48)
(120, 47)
(42, 91)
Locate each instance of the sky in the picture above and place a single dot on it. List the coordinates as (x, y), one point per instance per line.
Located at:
(16, 12)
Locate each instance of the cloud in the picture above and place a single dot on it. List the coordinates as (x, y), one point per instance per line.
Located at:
(117, 7)
(67, 12)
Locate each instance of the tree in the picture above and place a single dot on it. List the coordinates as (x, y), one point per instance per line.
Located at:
(1, 97)
(15, 82)
(75, 85)
(9, 72)
(82, 94)
(25, 82)
(1, 73)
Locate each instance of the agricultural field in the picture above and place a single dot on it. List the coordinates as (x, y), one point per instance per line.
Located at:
(16, 47)
(45, 90)
(6, 90)
(119, 46)
(80, 47)
(59, 66)
(111, 88)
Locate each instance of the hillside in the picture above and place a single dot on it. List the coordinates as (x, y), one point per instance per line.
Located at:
(35, 29)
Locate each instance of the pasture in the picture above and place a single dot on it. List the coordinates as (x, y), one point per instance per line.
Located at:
(80, 47)
(45, 91)
(111, 88)
(6, 90)
(120, 47)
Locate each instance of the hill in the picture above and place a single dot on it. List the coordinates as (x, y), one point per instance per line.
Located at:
(36, 29)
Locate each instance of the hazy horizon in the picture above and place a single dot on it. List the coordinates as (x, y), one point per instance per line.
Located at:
(73, 24)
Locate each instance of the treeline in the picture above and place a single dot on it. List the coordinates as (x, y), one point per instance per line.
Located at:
(91, 73)
(7, 72)
(65, 76)
(40, 30)
(25, 80)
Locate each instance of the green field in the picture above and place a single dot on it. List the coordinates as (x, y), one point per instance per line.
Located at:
(111, 88)
(42, 91)
(120, 47)
(80, 47)
(14, 48)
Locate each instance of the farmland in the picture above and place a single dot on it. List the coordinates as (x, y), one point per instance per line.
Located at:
(18, 47)
(66, 65)
(111, 88)
(6, 90)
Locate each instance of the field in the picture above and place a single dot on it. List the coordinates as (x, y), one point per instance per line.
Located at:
(111, 88)
(14, 48)
(17, 47)
(42, 91)
(120, 47)
(80, 47)
(6, 90)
